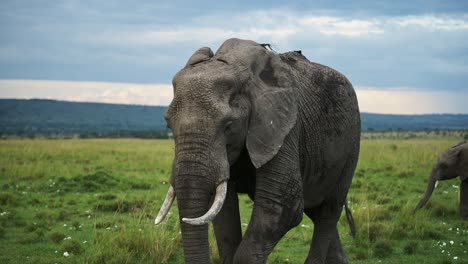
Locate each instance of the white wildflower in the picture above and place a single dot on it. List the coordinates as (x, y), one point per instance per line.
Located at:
(451, 242)
(65, 254)
(455, 257)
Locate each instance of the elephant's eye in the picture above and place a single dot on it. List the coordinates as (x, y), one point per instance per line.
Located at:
(227, 128)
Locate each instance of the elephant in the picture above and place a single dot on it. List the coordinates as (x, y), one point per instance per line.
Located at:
(450, 164)
(277, 127)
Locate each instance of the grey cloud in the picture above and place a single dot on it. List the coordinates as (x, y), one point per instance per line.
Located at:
(91, 40)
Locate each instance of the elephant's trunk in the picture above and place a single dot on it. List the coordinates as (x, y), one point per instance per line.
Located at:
(193, 200)
(430, 188)
(193, 203)
(195, 179)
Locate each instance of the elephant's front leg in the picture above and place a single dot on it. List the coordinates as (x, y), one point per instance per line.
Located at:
(464, 199)
(278, 207)
(227, 226)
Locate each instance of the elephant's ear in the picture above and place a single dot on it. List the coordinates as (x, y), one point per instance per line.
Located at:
(274, 107)
(202, 54)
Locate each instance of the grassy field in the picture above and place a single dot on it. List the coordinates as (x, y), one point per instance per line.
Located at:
(94, 201)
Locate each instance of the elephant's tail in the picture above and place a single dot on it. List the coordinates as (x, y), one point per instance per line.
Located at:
(349, 217)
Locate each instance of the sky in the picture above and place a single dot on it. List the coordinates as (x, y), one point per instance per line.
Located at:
(403, 57)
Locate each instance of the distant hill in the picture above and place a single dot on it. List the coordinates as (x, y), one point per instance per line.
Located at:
(59, 118)
(384, 122)
(51, 117)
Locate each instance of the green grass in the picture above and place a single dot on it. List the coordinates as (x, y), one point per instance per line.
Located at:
(97, 199)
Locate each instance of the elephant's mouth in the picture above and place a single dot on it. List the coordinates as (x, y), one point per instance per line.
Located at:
(218, 202)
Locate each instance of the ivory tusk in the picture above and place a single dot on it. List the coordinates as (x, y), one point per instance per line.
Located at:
(166, 206)
(218, 202)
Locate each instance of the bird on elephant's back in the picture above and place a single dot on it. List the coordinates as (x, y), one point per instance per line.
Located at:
(450, 164)
(278, 127)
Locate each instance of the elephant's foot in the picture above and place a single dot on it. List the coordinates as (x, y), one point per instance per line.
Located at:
(326, 246)
(335, 252)
(464, 199)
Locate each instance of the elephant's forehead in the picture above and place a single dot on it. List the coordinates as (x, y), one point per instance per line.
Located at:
(209, 69)
(204, 81)
(195, 94)
(193, 111)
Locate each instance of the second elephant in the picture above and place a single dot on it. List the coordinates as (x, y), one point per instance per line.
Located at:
(450, 164)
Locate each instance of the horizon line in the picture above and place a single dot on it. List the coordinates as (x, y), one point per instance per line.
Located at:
(149, 105)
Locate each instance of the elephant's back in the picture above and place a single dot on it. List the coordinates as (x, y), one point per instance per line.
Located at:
(330, 124)
(322, 88)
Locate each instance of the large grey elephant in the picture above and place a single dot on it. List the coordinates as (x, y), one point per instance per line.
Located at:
(278, 127)
(450, 164)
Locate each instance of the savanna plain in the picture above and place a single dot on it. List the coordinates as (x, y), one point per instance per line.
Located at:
(94, 201)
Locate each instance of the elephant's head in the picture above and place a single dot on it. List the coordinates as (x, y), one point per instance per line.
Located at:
(450, 164)
(239, 98)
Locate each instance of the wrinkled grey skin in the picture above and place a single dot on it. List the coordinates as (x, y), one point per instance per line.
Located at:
(450, 164)
(275, 126)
